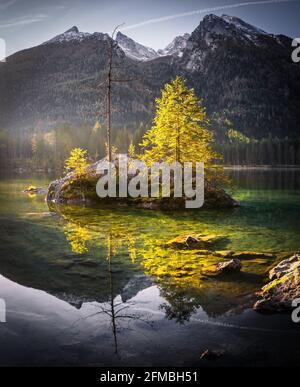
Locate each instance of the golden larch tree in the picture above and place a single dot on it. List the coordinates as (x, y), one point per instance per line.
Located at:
(180, 131)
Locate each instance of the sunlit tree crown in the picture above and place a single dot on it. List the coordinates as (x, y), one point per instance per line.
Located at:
(180, 131)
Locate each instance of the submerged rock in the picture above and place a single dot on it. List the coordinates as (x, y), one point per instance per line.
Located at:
(198, 241)
(277, 296)
(232, 266)
(224, 253)
(252, 255)
(64, 263)
(35, 190)
(88, 263)
(204, 252)
(186, 242)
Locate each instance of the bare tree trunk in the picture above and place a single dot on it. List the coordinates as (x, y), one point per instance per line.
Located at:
(109, 81)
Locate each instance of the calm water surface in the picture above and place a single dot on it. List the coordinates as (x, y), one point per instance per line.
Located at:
(98, 287)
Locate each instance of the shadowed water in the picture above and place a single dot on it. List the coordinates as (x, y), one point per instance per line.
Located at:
(99, 287)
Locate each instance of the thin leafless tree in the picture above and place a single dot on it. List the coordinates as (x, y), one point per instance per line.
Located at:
(109, 81)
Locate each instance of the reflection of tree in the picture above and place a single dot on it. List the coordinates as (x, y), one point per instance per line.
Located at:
(180, 277)
(179, 274)
(78, 237)
(184, 284)
(180, 305)
(176, 267)
(115, 310)
(82, 237)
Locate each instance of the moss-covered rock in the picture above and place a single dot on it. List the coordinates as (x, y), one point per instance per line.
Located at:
(285, 267)
(277, 296)
(194, 242)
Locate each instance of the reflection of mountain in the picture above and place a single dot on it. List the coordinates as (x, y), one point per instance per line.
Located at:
(135, 284)
(38, 254)
(180, 275)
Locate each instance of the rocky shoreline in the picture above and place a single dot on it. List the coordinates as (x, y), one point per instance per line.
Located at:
(278, 295)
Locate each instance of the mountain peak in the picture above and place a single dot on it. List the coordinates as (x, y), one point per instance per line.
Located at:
(211, 17)
(213, 26)
(135, 50)
(176, 47)
(121, 36)
(220, 61)
(74, 29)
(72, 34)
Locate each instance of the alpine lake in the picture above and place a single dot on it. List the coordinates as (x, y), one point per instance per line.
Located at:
(99, 287)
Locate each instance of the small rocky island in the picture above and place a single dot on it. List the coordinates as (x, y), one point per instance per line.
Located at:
(81, 189)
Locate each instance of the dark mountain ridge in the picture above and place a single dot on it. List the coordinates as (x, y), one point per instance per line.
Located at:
(243, 74)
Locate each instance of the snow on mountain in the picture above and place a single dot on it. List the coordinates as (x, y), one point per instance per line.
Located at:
(193, 45)
(212, 26)
(73, 34)
(212, 31)
(176, 47)
(221, 55)
(243, 26)
(135, 50)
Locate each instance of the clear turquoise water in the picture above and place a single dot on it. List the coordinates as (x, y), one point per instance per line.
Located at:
(59, 268)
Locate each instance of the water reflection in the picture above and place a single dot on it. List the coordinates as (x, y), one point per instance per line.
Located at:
(78, 237)
(266, 179)
(180, 275)
(114, 267)
(117, 310)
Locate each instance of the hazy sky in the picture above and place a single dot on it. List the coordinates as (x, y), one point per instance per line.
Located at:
(26, 23)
